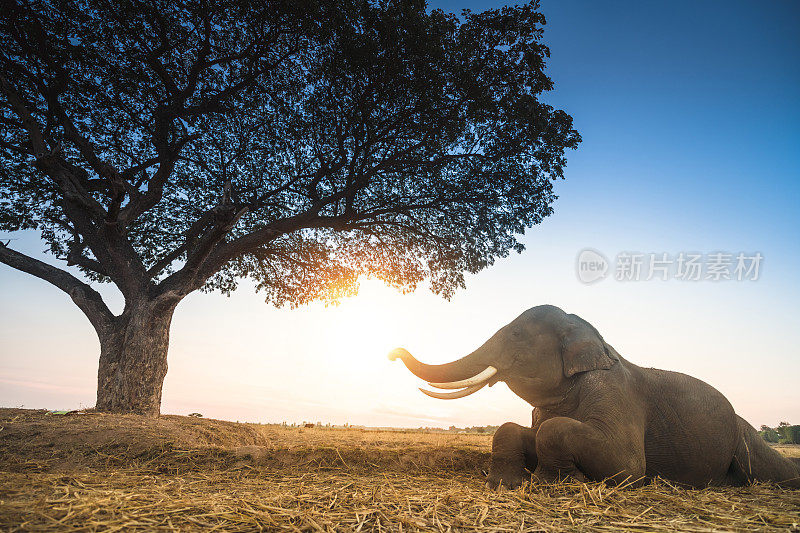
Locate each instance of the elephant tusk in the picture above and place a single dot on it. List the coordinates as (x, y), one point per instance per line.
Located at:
(474, 380)
(455, 394)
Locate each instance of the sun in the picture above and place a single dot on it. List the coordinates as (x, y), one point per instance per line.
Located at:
(362, 326)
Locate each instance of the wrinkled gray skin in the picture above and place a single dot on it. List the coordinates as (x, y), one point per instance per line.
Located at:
(599, 417)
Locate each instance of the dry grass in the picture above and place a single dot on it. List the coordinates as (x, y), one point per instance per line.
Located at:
(99, 472)
(789, 450)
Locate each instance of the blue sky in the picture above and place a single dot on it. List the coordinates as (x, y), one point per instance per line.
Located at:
(690, 118)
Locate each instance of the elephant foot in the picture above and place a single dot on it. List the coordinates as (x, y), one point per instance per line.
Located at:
(510, 478)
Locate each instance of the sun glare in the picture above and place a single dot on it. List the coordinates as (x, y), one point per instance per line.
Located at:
(361, 327)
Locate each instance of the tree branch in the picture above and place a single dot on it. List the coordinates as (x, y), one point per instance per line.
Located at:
(87, 299)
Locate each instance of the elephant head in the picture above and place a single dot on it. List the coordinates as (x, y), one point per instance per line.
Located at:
(537, 355)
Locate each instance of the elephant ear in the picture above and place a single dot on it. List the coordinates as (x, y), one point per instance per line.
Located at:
(583, 349)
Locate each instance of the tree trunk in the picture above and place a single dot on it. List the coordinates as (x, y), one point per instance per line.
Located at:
(133, 359)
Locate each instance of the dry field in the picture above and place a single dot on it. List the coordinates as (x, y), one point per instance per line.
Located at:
(100, 472)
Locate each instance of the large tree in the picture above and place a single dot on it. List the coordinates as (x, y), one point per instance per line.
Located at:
(170, 146)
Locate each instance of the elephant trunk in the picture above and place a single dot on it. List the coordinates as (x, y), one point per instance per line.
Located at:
(470, 373)
(458, 370)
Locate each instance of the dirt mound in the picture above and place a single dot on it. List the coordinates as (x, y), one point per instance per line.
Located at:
(35, 441)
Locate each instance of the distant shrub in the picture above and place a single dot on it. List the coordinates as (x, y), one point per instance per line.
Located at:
(783, 434)
(769, 435)
(789, 434)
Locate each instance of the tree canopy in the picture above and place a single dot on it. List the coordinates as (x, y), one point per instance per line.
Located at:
(167, 146)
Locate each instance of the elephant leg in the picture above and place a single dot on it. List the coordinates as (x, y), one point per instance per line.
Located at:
(755, 460)
(513, 456)
(567, 448)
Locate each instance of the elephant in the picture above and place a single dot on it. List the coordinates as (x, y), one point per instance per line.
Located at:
(598, 417)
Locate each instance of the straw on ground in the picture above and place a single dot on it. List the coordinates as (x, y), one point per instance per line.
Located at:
(104, 472)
